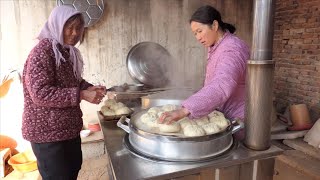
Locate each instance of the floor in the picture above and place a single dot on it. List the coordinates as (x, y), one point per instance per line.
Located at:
(94, 167)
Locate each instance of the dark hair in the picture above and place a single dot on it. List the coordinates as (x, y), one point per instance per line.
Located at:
(207, 14)
(76, 17)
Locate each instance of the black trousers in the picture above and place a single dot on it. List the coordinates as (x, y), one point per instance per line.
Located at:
(59, 160)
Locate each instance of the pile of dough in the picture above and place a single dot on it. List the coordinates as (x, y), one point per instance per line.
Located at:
(169, 107)
(193, 130)
(117, 106)
(107, 112)
(123, 110)
(202, 121)
(211, 128)
(184, 122)
(109, 102)
(169, 128)
(112, 108)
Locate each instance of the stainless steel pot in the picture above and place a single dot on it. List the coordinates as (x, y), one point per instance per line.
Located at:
(173, 148)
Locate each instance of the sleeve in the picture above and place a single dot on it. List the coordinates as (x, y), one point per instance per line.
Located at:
(217, 91)
(84, 85)
(41, 86)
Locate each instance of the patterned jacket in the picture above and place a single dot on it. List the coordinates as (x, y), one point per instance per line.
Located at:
(51, 96)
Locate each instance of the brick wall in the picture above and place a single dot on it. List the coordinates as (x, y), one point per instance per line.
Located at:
(297, 52)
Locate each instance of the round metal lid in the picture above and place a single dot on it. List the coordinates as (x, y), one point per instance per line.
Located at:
(91, 10)
(148, 62)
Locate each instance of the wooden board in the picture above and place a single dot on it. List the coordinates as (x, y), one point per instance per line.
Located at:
(296, 165)
(301, 145)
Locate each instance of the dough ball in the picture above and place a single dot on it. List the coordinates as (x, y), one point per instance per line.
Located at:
(202, 121)
(169, 128)
(184, 122)
(215, 113)
(110, 102)
(123, 110)
(108, 112)
(169, 107)
(211, 128)
(220, 121)
(154, 110)
(193, 130)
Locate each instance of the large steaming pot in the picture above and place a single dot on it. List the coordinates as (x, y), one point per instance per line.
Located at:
(173, 148)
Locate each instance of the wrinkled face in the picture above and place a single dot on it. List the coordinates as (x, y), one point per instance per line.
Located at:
(72, 31)
(207, 35)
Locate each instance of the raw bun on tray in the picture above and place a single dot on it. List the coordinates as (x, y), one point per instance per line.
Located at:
(117, 106)
(112, 108)
(107, 112)
(109, 102)
(123, 110)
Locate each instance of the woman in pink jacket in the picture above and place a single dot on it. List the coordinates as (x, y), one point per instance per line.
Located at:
(224, 86)
(53, 88)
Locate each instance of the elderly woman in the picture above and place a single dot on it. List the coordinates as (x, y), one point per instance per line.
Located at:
(53, 88)
(224, 86)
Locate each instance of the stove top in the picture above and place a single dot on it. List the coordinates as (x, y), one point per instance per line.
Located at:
(137, 153)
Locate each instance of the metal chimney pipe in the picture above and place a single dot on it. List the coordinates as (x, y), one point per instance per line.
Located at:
(260, 71)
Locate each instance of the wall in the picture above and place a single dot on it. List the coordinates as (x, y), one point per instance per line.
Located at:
(297, 52)
(106, 44)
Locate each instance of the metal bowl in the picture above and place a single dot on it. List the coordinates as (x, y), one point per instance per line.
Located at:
(148, 63)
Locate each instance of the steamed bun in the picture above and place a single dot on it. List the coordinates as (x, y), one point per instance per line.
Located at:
(149, 119)
(211, 128)
(169, 128)
(215, 113)
(185, 122)
(202, 121)
(154, 110)
(220, 121)
(193, 130)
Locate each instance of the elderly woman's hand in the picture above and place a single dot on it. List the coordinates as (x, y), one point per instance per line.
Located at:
(92, 96)
(174, 115)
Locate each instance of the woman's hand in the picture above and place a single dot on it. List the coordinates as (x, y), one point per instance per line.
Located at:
(174, 115)
(93, 94)
(102, 90)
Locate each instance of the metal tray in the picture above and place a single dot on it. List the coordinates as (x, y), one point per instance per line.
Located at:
(115, 117)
